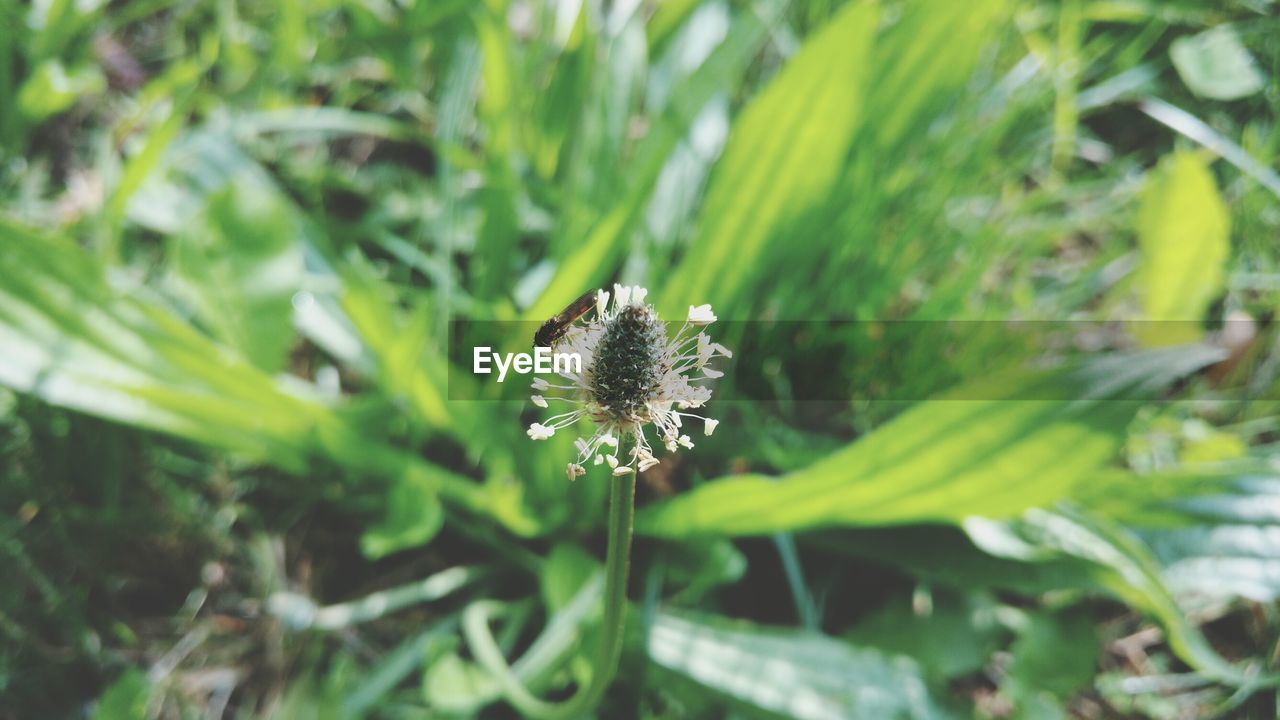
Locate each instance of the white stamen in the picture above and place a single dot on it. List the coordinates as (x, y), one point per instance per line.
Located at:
(701, 315)
(538, 431)
(621, 296)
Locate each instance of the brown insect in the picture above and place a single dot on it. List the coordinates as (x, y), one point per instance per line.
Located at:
(555, 328)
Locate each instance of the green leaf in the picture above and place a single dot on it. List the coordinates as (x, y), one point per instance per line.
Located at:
(324, 122)
(1128, 570)
(790, 674)
(1229, 543)
(419, 650)
(699, 564)
(240, 264)
(413, 517)
(925, 58)
(991, 448)
(1221, 562)
(454, 685)
(396, 344)
(914, 548)
(497, 110)
(591, 262)
(75, 342)
(1215, 64)
(1159, 500)
(78, 343)
(567, 569)
(462, 687)
(956, 637)
(51, 89)
(1055, 653)
(125, 699)
(784, 154)
(1183, 229)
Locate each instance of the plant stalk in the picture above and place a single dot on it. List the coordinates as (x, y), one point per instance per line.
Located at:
(622, 497)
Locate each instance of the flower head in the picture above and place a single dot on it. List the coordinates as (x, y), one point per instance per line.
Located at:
(633, 375)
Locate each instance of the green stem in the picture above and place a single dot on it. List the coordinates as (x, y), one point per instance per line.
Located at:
(617, 567)
(622, 509)
(300, 612)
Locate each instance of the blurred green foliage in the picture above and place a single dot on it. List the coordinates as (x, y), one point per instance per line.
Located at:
(234, 481)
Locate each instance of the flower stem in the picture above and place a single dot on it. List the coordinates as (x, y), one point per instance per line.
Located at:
(622, 497)
(622, 505)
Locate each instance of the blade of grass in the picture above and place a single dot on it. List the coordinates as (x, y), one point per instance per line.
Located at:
(784, 153)
(946, 459)
(1192, 127)
(592, 261)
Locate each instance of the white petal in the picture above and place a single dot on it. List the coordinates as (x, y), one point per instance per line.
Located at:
(539, 401)
(685, 441)
(709, 426)
(612, 460)
(599, 459)
(638, 294)
(538, 431)
(602, 302)
(540, 384)
(712, 373)
(609, 439)
(701, 315)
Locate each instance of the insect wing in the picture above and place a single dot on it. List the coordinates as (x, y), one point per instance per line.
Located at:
(555, 328)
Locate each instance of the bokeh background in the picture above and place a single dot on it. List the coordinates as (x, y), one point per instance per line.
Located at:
(235, 483)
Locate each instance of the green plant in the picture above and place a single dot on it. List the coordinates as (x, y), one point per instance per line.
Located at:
(243, 473)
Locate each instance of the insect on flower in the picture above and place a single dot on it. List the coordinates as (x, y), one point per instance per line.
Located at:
(632, 375)
(555, 328)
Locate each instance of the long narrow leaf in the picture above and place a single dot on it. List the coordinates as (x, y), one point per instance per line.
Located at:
(1022, 446)
(784, 153)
